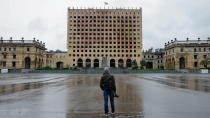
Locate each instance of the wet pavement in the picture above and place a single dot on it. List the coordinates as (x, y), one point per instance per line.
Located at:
(79, 96)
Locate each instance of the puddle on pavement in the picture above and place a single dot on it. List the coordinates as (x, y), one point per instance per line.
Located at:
(96, 115)
(128, 102)
(79, 95)
(187, 82)
(12, 88)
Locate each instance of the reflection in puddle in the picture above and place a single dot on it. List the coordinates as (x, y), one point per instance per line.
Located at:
(12, 88)
(96, 115)
(86, 91)
(185, 82)
(79, 96)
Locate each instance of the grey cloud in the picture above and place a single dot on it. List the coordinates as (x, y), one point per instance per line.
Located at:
(163, 20)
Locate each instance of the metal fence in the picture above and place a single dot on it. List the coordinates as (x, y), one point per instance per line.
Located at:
(101, 70)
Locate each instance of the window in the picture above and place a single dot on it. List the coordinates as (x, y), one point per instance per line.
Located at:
(182, 49)
(4, 64)
(195, 64)
(204, 56)
(13, 64)
(195, 50)
(14, 56)
(195, 56)
(28, 49)
(5, 56)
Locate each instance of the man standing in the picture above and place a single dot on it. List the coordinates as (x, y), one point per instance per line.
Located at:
(107, 84)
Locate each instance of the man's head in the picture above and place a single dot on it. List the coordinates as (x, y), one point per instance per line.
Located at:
(106, 70)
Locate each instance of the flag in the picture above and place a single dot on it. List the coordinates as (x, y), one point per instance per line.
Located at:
(106, 3)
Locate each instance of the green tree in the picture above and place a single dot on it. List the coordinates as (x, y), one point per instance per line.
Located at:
(143, 63)
(205, 62)
(134, 65)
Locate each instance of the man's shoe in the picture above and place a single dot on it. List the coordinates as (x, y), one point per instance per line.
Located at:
(116, 96)
(106, 114)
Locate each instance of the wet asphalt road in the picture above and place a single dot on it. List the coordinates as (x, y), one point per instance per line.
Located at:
(79, 96)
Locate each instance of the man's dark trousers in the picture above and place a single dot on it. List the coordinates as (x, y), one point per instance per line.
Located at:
(108, 93)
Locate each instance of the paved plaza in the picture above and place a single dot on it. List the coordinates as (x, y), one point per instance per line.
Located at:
(79, 96)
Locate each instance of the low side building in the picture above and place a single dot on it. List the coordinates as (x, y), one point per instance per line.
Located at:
(56, 59)
(21, 54)
(154, 60)
(186, 54)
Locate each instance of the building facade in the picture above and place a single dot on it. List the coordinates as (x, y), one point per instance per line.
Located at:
(186, 54)
(21, 54)
(56, 60)
(104, 37)
(154, 60)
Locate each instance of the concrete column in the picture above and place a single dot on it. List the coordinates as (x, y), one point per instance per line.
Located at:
(116, 63)
(100, 63)
(124, 64)
(92, 63)
(176, 63)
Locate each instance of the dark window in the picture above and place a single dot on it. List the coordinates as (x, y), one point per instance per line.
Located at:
(28, 49)
(196, 64)
(13, 64)
(4, 64)
(195, 56)
(204, 56)
(5, 56)
(14, 56)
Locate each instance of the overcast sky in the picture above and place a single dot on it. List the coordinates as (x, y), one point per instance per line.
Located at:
(46, 20)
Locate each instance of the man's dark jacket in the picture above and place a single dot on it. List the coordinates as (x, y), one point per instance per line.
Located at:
(107, 82)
